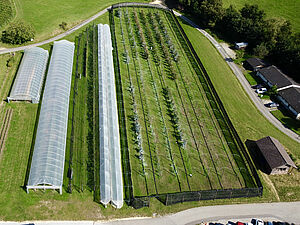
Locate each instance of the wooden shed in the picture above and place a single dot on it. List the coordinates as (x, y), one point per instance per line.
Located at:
(273, 156)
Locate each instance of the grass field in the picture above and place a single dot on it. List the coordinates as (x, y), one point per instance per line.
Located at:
(17, 205)
(45, 16)
(247, 120)
(287, 9)
(163, 159)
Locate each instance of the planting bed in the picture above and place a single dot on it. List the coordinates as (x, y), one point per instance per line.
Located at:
(175, 138)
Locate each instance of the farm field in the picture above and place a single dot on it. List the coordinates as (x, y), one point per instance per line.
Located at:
(174, 132)
(80, 205)
(247, 120)
(287, 9)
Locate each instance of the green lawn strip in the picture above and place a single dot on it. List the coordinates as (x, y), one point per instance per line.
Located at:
(249, 123)
(287, 120)
(138, 176)
(7, 74)
(251, 78)
(287, 9)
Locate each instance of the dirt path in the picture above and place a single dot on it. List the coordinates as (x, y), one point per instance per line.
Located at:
(270, 183)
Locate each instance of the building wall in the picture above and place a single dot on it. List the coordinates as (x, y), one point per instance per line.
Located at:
(280, 170)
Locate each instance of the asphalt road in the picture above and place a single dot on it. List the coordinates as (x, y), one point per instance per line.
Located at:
(9, 50)
(283, 211)
(239, 74)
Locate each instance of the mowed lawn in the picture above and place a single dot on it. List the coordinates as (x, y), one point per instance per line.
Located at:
(288, 9)
(46, 16)
(248, 121)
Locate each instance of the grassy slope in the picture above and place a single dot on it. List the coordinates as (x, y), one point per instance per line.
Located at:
(46, 16)
(288, 9)
(248, 121)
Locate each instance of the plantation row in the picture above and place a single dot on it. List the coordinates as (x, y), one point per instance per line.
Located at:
(174, 136)
(83, 167)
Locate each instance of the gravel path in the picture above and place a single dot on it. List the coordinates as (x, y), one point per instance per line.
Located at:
(237, 71)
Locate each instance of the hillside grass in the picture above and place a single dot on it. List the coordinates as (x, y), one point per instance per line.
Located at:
(247, 120)
(45, 16)
(287, 9)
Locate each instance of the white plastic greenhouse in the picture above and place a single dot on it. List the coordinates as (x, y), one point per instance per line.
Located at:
(30, 76)
(111, 183)
(48, 159)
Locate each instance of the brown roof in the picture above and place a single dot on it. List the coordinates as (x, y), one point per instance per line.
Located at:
(274, 152)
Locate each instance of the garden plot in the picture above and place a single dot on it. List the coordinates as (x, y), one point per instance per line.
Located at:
(176, 141)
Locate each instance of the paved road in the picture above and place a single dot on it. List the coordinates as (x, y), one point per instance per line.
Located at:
(58, 36)
(283, 211)
(237, 71)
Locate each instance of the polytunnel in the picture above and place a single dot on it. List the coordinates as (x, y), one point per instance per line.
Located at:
(111, 183)
(47, 166)
(29, 80)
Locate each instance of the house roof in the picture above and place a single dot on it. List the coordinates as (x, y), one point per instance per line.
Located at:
(275, 76)
(274, 152)
(292, 96)
(254, 62)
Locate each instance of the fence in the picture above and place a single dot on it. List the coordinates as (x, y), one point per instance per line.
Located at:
(229, 132)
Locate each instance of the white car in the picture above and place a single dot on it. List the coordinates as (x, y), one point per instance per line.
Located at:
(261, 90)
(257, 222)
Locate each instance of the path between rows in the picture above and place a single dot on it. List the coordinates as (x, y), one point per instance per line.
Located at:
(281, 211)
(243, 81)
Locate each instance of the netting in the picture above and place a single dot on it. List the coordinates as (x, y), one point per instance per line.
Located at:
(111, 185)
(49, 150)
(30, 76)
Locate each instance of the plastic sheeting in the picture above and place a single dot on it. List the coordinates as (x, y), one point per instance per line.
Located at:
(30, 76)
(48, 159)
(111, 183)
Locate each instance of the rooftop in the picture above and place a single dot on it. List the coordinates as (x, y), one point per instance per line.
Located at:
(292, 96)
(274, 152)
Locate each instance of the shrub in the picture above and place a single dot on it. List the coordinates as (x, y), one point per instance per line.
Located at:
(18, 32)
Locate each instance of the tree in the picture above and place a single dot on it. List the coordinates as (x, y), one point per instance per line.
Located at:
(230, 23)
(261, 50)
(63, 25)
(211, 11)
(18, 32)
(272, 90)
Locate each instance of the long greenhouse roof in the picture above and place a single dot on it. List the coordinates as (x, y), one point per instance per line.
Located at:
(111, 184)
(30, 76)
(49, 150)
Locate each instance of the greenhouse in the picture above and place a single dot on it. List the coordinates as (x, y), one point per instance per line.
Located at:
(111, 184)
(48, 159)
(30, 76)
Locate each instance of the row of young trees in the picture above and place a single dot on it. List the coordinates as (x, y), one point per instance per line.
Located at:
(267, 37)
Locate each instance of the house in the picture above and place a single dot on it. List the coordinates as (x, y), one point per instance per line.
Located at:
(254, 64)
(290, 98)
(288, 90)
(271, 76)
(273, 156)
(240, 45)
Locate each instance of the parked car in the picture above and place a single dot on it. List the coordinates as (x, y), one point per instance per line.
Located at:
(240, 223)
(268, 223)
(261, 90)
(257, 86)
(272, 105)
(257, 222)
